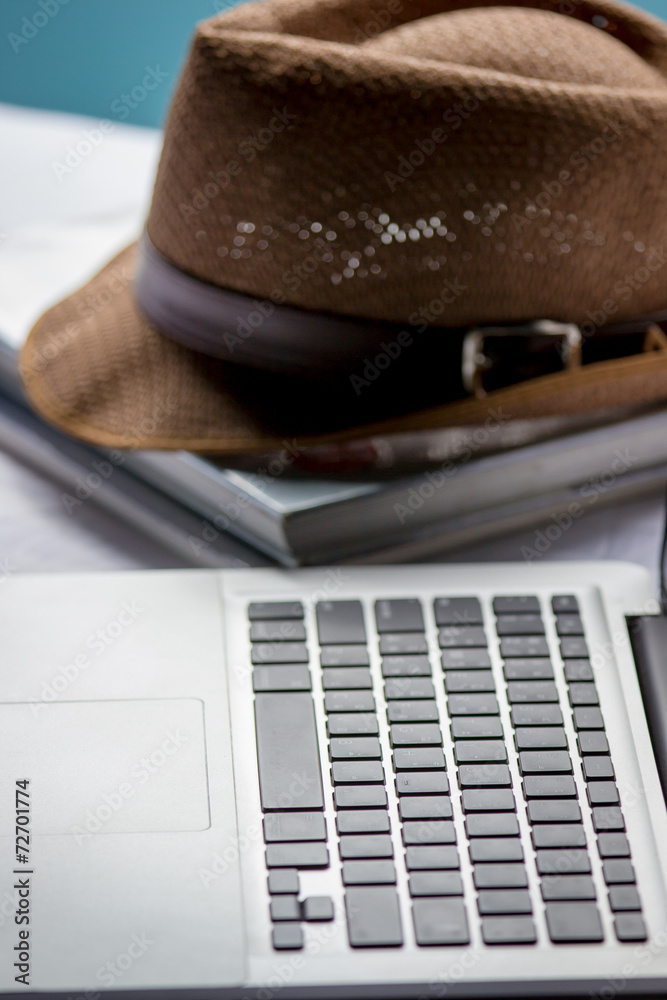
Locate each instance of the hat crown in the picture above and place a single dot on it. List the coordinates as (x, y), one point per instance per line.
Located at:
(527, 42)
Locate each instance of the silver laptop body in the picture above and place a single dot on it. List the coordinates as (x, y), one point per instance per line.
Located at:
(132, 851)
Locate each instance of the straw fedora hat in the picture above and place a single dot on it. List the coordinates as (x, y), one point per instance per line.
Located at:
(382, 215)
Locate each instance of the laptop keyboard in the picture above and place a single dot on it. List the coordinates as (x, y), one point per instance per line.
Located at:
(479, 790)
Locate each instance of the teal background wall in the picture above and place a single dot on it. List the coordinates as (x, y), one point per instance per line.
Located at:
(94, 56)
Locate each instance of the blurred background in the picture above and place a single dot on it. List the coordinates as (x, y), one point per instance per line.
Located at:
(93, 56)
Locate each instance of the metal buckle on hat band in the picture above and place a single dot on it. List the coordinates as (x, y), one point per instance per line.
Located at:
(476, 362)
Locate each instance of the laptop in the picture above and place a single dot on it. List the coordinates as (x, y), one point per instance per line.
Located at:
(415, 781)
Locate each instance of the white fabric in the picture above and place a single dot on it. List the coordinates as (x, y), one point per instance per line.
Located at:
(55, 233)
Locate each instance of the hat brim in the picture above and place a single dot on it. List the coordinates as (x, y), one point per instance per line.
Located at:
(95, 367)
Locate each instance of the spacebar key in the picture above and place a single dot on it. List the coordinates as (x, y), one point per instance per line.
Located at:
(288, 756)
(373, 917)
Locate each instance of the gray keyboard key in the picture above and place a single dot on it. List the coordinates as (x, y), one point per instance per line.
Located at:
(429, 832)
(461, 637)
(602, 793)
(279, 652)
(565, 604)
(488, 800)
(499, 901)
(578, 670)
(412, 711)
(618, 871)
(630, 927)
(346, 678)
(442, 883)
(559, 835)
(508, 930)
(287, 826)
(360, 796)
(528, 668)
(624, 897)
(403, 688)
(473, 727)
(495, 849)
(545, 762)
(421, 783)
(340, 622)
(521, 605)
(573, 647)
(344, 656)
(427, 857)
(345, 747)
(587, 718)
(419, 734)
(279, 630)
(481, 775)
(349, 701)
(369, 873)
(540, 738)
(592, 741)
(363, 821)
(285, 908)
(569, 625)
(492, 825)
(377, 845)
(392, 644)
(543, 714)
(346, 772)
(505, 876)
(284, 880)
(561, 862)
(564, 887)
(523, 645)
(597, 767)
(469, 751)
(277, 678)
(287, 752)
(287, 937)
(300, 855)
(373, 917)
(440, 921)
(519, 625)
(469, 680)
(465, 659)
(399, 616)
(265, 611)
(406, 666)
(317, 908)
(457, 611)
(573, 922)
(532, 691)
(425, 807)
(418, 759)
(582, 694)
(352, 723)
(473, 704)
(548, 786)
(554, 811)
(613, 845)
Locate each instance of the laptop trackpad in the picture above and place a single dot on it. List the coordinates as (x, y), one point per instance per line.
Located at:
(108, 767)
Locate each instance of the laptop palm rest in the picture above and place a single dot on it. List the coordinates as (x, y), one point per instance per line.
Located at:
(99, 768)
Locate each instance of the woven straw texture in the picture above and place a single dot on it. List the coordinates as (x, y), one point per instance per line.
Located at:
(374, 159)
